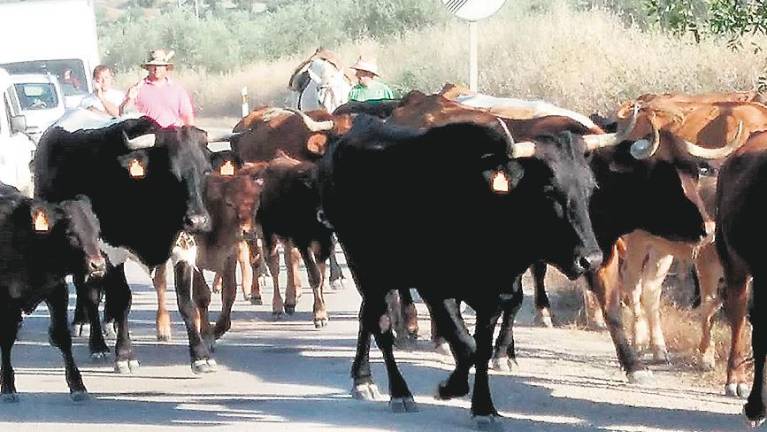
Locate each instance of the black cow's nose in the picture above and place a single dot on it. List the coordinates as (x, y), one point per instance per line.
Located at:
(589, 262)
(196, 223)
(97, 266)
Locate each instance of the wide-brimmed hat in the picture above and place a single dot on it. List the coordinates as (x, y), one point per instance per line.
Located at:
(367, 65)
(159, 57)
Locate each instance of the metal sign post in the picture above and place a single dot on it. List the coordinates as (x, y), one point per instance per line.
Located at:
(473, 11)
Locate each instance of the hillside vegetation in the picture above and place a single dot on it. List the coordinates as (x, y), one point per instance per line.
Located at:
(585, 55)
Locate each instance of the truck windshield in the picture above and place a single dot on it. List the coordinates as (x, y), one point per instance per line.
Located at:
(70, 72)
(35, 96)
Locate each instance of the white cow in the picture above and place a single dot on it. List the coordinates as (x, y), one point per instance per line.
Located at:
(319, 84)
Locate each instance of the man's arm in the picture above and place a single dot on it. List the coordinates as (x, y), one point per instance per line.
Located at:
(130, 99)
(109, 107)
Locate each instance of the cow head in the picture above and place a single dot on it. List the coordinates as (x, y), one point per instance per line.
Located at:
(176, 157)
(70, 231)
(555, 186)
(234, 199)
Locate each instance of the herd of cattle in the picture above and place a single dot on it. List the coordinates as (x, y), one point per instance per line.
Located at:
(457, 177)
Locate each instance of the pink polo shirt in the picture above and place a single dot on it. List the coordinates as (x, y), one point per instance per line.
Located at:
(165, 101)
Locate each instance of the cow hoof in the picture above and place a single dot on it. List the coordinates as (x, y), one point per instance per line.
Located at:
(488, 423)
(543, 320)
(445, 392)
(256, 300)
(443, 349)
(164, 337)
(204, 366)
(10, 397)
(121, 367)
(642, 377)
(743, 390)
(290, 309)
(403, 404)
(753, 424)
(79, 396)
(754, 421)
(134, 366)
(80, 330)
(320, 322)
(660, 355)
(99, 356)
(706, 361)
(337, 284)
(109, 331)
(366, 392)
(501, 364)
(276, 316)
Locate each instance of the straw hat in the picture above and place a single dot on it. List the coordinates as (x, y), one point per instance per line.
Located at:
(366, 65)
(159, 57)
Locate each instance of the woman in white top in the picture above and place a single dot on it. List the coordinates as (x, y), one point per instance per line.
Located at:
(104, 99)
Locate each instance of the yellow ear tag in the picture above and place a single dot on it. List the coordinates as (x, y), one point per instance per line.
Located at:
(135, 169)
(227, 169)
(40, 221)
(500, 182)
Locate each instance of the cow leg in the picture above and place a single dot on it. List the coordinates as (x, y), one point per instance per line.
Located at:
(9, 319)
(81, 321)
(604, 283)
(316, 274)
(89, 296)
(336, 274)
(364, 387)
(632, 273)
(258, 269)
(542, 304)
(754, 408)
(709, 272)
(482, 408)
(59, 336)
(293, 289)
(200, 356)
(447, 315)
(217, 281)
(118, 304)
(735, 307)
(273, 261)
(246, 270)
(228, 296)
(504, 354)
(592, 309)
(160, 282)
(651, 291)
(201, 294)
(409, 313)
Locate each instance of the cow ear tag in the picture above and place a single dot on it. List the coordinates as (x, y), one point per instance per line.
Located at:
(500, 182)
(136, 170)
(227, 169)
(40, 221)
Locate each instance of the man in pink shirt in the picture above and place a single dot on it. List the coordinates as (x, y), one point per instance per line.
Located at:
(159, 97)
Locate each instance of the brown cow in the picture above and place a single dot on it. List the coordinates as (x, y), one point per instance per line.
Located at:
(267, 131)
(231, 199)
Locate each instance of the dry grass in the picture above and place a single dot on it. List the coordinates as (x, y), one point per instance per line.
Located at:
(681, 325)
(584, 60)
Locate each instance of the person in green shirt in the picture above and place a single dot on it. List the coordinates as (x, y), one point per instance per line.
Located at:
(369, 86)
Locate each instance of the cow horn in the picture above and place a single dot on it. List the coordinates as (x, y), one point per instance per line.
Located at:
(517, 150)
(311, 124)
(225, 137)
(141, 141)
(717, 153)
(595, 141)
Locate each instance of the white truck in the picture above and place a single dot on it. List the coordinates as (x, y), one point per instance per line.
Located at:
(16, 148)
(51, 36)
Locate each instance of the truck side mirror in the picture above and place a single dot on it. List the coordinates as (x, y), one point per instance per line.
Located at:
(18, 124)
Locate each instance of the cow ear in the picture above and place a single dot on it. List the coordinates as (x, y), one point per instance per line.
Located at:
(317, 143)
(136, 163)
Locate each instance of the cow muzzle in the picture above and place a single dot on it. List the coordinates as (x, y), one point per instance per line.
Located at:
(96, 267)
(196, 223)
(586, 263)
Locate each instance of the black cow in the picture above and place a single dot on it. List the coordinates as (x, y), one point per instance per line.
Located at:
(288, 210)
(40, 243)
(465, 193)
(652, 195)
(145, 185)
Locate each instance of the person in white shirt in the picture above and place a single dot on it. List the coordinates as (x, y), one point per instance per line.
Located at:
(104, 99)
